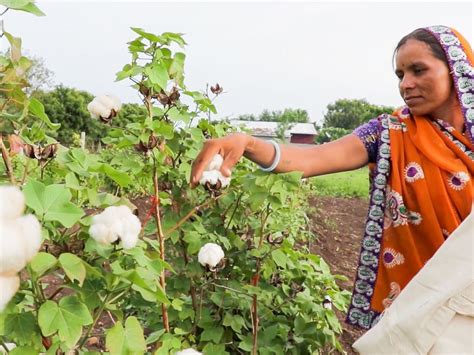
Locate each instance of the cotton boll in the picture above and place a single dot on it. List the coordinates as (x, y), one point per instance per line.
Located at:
(97, 109)
(210, 254)
(102, 233)
(209, 176)
(12, 202)
(215, 163)
(327, 302)
(188, 352)
(110, 101)
(116, 222)
(129, 240)
(31, 235)
(12, 247)
(8, 287)
(225, 181)
(117, 105)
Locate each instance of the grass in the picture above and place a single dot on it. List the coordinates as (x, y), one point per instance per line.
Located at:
(347, 184)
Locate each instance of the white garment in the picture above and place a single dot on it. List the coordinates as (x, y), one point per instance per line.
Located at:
(434, 313)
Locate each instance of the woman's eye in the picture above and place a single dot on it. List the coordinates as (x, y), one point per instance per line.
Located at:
(418, 71)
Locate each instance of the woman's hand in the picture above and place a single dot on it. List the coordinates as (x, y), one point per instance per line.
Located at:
(231, 147)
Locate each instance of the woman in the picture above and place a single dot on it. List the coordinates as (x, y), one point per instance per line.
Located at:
(422, 165)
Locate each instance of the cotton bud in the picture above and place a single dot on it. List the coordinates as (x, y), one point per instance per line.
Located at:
(20, 241)
(327, 302)
(188, 352)
(9, 286)
(12, 202)
(210, 255)
(104, 107)
(113, 223)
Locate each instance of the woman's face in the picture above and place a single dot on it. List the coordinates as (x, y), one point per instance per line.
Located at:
(425, 84)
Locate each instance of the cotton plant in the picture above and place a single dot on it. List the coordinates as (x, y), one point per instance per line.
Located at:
(116, 222)
(212, 174)
(104, 107)
(20, 240)
(210, 255)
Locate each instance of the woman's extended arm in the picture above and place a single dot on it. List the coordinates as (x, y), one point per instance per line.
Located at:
(346, 153)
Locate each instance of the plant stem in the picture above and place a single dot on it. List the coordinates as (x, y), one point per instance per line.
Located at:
(96, 318)
(6, 160)
(191, 213)
(254, 282)
(161, 239)
(192, 288)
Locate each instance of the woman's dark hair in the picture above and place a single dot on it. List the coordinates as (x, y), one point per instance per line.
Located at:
(426, 36)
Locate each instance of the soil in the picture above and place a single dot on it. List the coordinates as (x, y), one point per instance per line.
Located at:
(338, 224)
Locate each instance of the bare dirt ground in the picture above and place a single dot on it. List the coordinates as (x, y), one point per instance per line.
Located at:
(338, 224)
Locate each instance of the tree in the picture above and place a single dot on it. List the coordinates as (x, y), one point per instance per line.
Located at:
(288, 115)
(39, 77)
(349, 114)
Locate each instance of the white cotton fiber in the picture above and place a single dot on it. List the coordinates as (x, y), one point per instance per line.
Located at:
(215, 163)
(31, 234)
(12, 202)
(8, 287)
(210, 254)
(116, 222)
(97, 109)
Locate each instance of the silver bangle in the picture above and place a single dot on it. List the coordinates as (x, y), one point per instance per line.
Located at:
(276, 160)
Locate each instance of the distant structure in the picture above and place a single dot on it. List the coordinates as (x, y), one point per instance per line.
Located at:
(299, 133)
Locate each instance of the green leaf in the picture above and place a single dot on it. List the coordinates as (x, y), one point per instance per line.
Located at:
(158, 74)
(73, 267)
(134, 336)
(72, 182)
(37, 109)
(24, 350)
(65, 318)
(212, 334)
(235, 321)
(23, 329)
(13, 4)
(115, 340)
(279, 257)
(119, 177)
(22, 5)
(15, 46)
(214, 349)
(126, 341)
(42, 262)
(150, 36)
(52, 203)
(163, 129)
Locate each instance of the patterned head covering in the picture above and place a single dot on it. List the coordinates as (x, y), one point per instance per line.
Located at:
(460, 60)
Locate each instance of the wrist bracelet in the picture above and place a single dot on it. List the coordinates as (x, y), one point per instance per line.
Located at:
(276, 160)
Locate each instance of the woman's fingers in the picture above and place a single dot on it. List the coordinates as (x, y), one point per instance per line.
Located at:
(229, 162)
(202, 160)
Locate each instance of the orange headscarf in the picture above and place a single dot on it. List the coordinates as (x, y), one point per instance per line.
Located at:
(422, 189)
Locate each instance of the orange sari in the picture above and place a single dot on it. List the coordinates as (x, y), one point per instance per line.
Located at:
(422, 189)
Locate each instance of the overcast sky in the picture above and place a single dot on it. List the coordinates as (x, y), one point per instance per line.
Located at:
(266, 55)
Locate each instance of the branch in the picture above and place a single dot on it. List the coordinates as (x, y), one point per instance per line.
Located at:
(6, 160)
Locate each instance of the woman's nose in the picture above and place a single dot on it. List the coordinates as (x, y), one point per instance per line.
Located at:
(407, 82)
